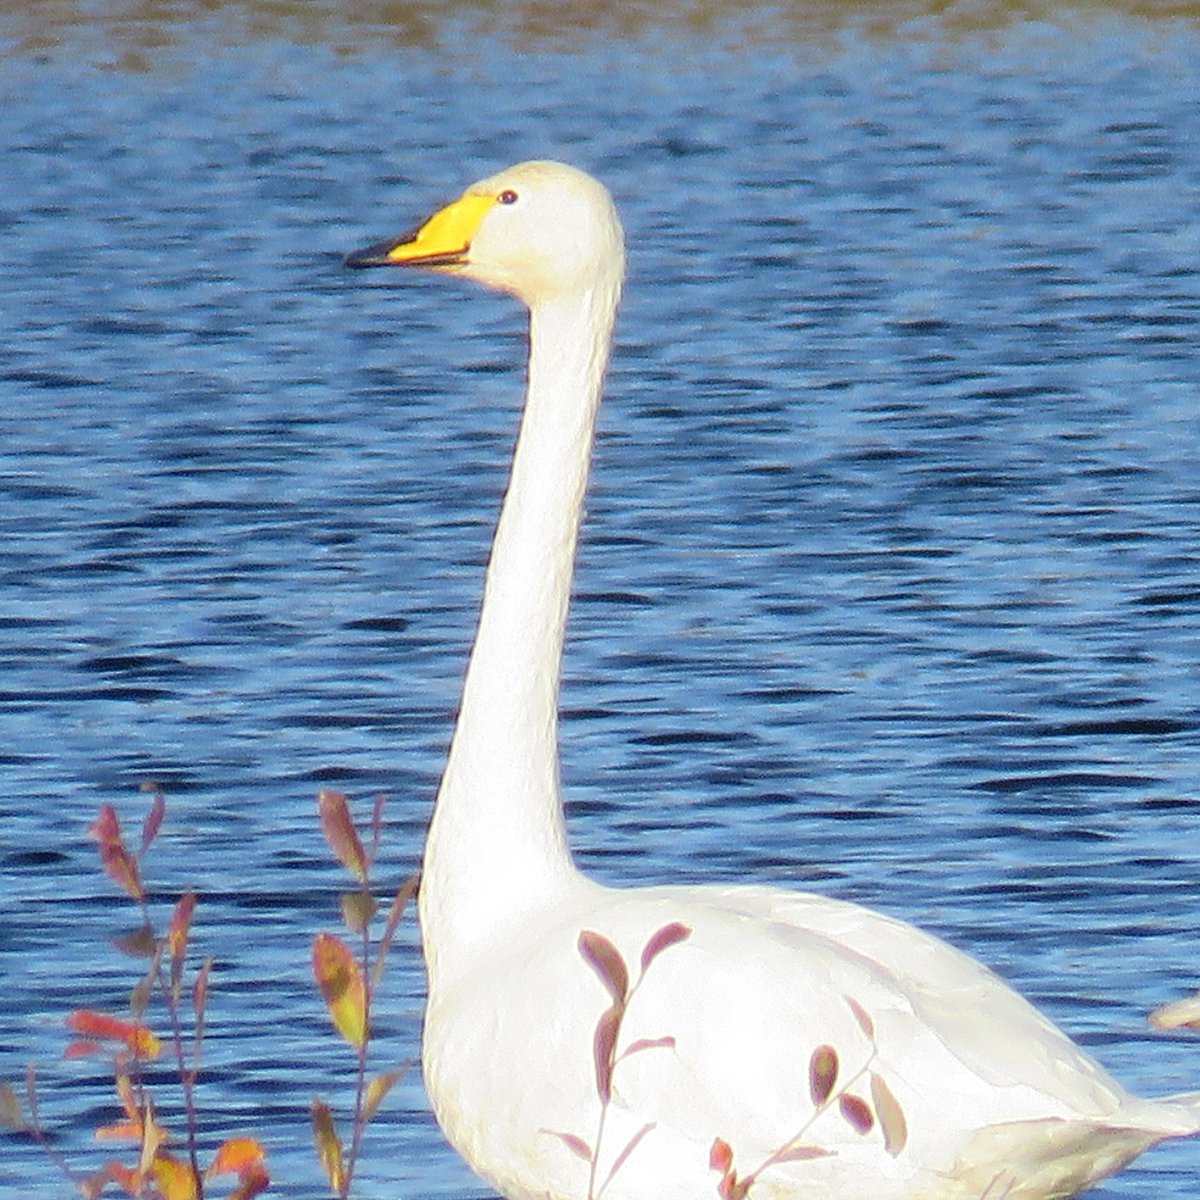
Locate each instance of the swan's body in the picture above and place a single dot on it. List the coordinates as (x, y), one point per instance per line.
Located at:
(972, 1094)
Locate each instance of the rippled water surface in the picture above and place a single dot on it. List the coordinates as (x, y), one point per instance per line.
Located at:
(891, 579)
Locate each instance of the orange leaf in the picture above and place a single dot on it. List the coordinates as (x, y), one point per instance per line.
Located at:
(112, 1172)
(329, 1145)
(254, 1179)
(340, 833)
(236, 1155)
(82, 1050)
(139, 1040)
(340, 979)
(125, 1131)
(175, 1178)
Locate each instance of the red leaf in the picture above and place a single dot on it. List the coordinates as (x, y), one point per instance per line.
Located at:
(340, 833)
(605, 959)
(119, 865)
(822, 1074)
(801, 1154)
(604, 1048)
(861, 1016)
(576, 1145)
(857, 1112)
(377, 825)
(153, 822)
(668, 935)
(177, 935)
(662, 1043)
(200, 991)
(407, 891)
(630, 1147)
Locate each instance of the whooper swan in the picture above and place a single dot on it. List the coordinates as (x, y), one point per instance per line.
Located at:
(779, 1045)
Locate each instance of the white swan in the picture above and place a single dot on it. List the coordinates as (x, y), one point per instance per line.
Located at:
(780, 1046)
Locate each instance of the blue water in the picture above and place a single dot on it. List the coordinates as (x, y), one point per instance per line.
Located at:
(891, 579)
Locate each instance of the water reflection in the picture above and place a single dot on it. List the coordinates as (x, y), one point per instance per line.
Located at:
(889, 585)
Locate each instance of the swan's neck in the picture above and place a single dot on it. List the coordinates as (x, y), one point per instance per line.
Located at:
(497, 849)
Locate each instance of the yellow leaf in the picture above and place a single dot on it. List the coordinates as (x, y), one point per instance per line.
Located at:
(125, 1131)
(891, 1116)
(175, 1178)
(340, 979)
(329, 1145)
(378, 1089)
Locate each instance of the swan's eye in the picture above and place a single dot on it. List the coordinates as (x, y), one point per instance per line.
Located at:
(508, 196)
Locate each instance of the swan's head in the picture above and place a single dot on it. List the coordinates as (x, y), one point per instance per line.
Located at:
(540, 230)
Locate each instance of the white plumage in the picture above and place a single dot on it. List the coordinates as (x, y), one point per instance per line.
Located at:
(780, 1046)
